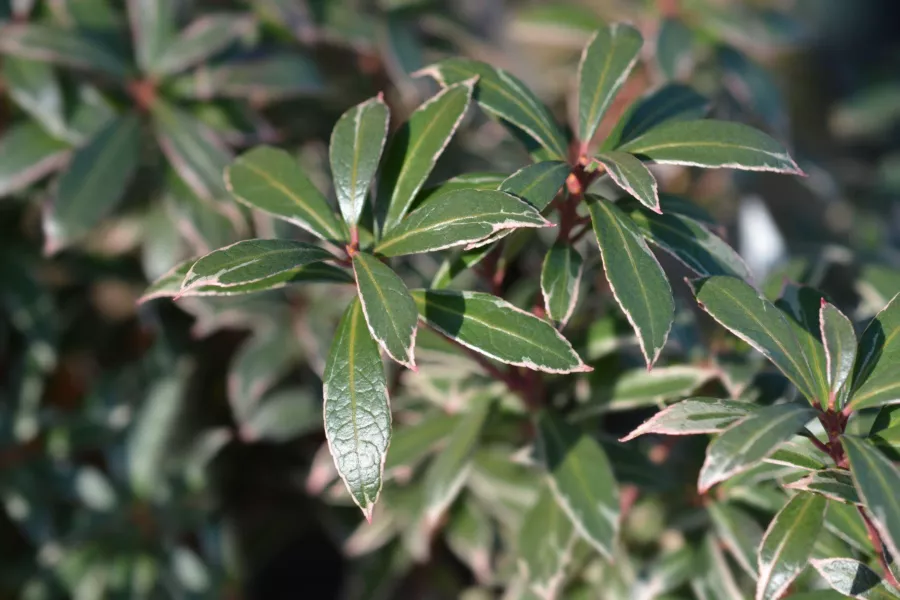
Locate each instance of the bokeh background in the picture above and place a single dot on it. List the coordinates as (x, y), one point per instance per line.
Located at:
(175, 450)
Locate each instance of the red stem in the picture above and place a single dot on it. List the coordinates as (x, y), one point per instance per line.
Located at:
(875, 538)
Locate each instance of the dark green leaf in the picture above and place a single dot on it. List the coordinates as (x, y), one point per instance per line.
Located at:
(582, 480)
(544, 545)
(854, 579)
(62, 46)
(251, 261)
(788, 544)
(357, 409)
(674, 48)
(606, 62)
(415, 149)
(271, 180)
(877, 480)
(33, 86)
(710, 143)
(633, 176)
(458, 218)
(693, 416)
(27, 154)
(153, 27)
(671, 102)
(560, 280)
(747, 314)
(750, 440)
(538, 183)
(94, 182)
(839, 341)
(205, 226)
(497, 329)
(876, 379)
(204, 38)
(357, 141)
(834, 484)
(635, 277)
(739, 532)
(504, 96)
(389, 309)
(691, 243)
(277, 76)
(801, 305)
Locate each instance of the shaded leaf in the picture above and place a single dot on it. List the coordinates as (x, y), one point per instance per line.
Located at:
(638, 387)
(739, 532)
(877, 480)
(635, 277)
(560, 280)
(497, 329)
(674, 48)
(389, 309)
(693, 416)
(834, 484)
(839, 341)
(875, 377)
(357, 409)
(153, 27)
(801, 305)
(633, 176)
(413, 442)
(264, 79)
(853, 578)
(544, 545)
(61, 46)
(33, 86)
(28, 154)
(204, 38)
(283, 416)
(258, 365)
(671, 102)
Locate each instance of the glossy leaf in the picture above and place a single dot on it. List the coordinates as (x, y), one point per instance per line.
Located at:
(458, 218)
(27, 155)
(414, 150)
(691, 243)
(357, 409)
(448, 472)
(504, 96)
(839, 341)
(153, 27)
(800, 305)
(61, 46)
(582, 480)
(271, 180)
(389, 309)
(606, 62)
(263, 79)
(560, 281)
(204, 38)
(875, 376)
(357, 141)
(834, 484)
(632, 176)
(635, 277)
(33, 86)
(544, 545)
(788, 544)
(94, 182)
(877, 480)
(710, 143)
(854, 579)
(747, 314)
(739, 532)
(670, 103)
(251, 261)
(693, 416)
(750, 440)
(497, 329)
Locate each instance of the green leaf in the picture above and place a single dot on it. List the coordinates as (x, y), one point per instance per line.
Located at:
(877, 480)
(447, 474)
(204, 38)
(750, 440)
(412, 443)
(33, 86)
(635, 277)
(801, 305)
(544, 545)
(739, 532)
(875, 376)
(258, 364)
(357, 409)
(606, 62)
(61, 46)
(470, 534)
(691, 243)
(693, 416)
(638, 387)
(834, 484)
(537, 183)
(27, 155)
(153, 27)
(674, 48)
(839, 341)
(389, 309)
(271, 180)
(788, 544)
(582, 480)
(458, 218)
(560, 280)
(95, 181)
(632, 176)
(747, 314)
(845, 521)
(251, 261)
(503, 95)
(710, 143)
(497, 329)
(670, 103)
(281, 75)
(357, 141)
(466, 181)
(414, 150)
(192, 150)
(854, 579)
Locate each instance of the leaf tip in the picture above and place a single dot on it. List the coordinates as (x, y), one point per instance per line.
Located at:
(367, 511)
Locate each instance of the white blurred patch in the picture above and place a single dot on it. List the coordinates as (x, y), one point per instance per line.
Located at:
(760, 242)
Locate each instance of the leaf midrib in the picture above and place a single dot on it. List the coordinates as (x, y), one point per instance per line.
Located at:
(387, 307)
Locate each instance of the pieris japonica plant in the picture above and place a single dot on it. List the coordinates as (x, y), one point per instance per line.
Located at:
(801, 478)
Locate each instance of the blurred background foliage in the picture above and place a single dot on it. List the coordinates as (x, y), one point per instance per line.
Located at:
(160, 450)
